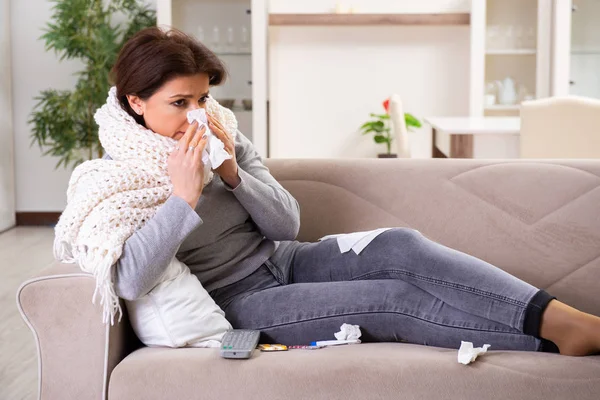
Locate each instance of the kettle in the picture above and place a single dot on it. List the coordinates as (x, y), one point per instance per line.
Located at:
(507, 91)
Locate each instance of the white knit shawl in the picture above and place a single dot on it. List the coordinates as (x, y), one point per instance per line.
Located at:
(108, 200)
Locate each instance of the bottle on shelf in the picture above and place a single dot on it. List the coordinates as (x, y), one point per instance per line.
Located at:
(509, 37)
(530, 37)
(492, 37)
(491, 90)
(519, 38)
(230, 47)
(216, 39)
(244, 39)
(507, 91)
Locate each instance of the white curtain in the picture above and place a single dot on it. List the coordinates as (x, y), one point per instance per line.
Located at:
(7, 170)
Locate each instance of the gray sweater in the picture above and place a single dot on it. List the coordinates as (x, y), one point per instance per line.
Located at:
(229, 234)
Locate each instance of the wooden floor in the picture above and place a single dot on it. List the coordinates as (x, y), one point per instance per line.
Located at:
(23, 252)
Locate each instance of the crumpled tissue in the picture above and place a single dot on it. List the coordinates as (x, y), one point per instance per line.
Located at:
(348, 332)
(467, 354)
(356, 241)
(214, 153)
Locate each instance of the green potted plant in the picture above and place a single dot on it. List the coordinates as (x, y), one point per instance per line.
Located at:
(63, 120)
(379, 125)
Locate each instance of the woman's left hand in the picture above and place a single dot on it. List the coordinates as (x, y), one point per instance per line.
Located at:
(228, 171)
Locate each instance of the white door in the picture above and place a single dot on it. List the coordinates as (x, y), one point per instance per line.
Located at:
(7, 184)
(576, 52)
(585, 49)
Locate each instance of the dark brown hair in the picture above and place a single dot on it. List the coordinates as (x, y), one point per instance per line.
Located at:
(152, 57)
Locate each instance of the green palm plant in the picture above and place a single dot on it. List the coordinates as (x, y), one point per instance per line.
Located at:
(63, 120)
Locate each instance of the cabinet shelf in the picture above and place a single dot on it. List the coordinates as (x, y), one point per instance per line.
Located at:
(502, 107)
(511, 52)
(583, 51)
(370, 19)
(233, 53)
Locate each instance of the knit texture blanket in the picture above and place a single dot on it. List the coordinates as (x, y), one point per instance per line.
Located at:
(108, 200)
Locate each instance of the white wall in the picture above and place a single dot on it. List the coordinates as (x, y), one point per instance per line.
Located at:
(39, 187)
(324, 81)
(7, 184)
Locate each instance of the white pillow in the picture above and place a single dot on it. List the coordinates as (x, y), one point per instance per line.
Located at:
(178, 312)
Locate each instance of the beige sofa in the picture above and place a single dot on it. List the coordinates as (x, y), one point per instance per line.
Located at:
(539, 220)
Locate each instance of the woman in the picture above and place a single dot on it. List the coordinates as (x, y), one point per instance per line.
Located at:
(237, 233)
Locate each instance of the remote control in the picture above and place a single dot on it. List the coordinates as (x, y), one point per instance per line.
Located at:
(239, 343)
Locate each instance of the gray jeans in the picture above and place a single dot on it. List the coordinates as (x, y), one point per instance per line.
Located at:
(402, 287)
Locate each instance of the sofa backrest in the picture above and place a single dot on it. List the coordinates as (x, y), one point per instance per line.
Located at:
(536, 219)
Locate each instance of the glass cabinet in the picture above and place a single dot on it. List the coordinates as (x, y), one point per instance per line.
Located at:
(584, 77)
(510, 54)
(224, 26)
(576, 48)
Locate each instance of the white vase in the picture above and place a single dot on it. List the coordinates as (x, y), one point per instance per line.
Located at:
(398, 125)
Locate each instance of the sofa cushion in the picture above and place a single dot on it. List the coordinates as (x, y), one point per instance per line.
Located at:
(365, 371)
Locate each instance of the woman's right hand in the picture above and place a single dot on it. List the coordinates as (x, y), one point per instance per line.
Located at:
(185, 166)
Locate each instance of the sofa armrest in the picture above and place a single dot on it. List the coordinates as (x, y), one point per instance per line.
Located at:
(76, 351)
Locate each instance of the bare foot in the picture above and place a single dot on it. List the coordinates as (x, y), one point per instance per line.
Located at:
(585, 340)
(574, 332)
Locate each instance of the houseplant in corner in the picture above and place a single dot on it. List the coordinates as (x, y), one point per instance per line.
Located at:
(63, 120)
(379, 125)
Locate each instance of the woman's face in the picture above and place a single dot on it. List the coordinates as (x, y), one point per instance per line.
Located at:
(165, 112)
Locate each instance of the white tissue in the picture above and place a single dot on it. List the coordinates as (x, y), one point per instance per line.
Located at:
(348, 332)
(356, 241)
(467, 354)
(214, 153)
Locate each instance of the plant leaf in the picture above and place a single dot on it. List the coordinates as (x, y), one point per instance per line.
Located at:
(380, 139)
(410, 120)
(366, 125)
